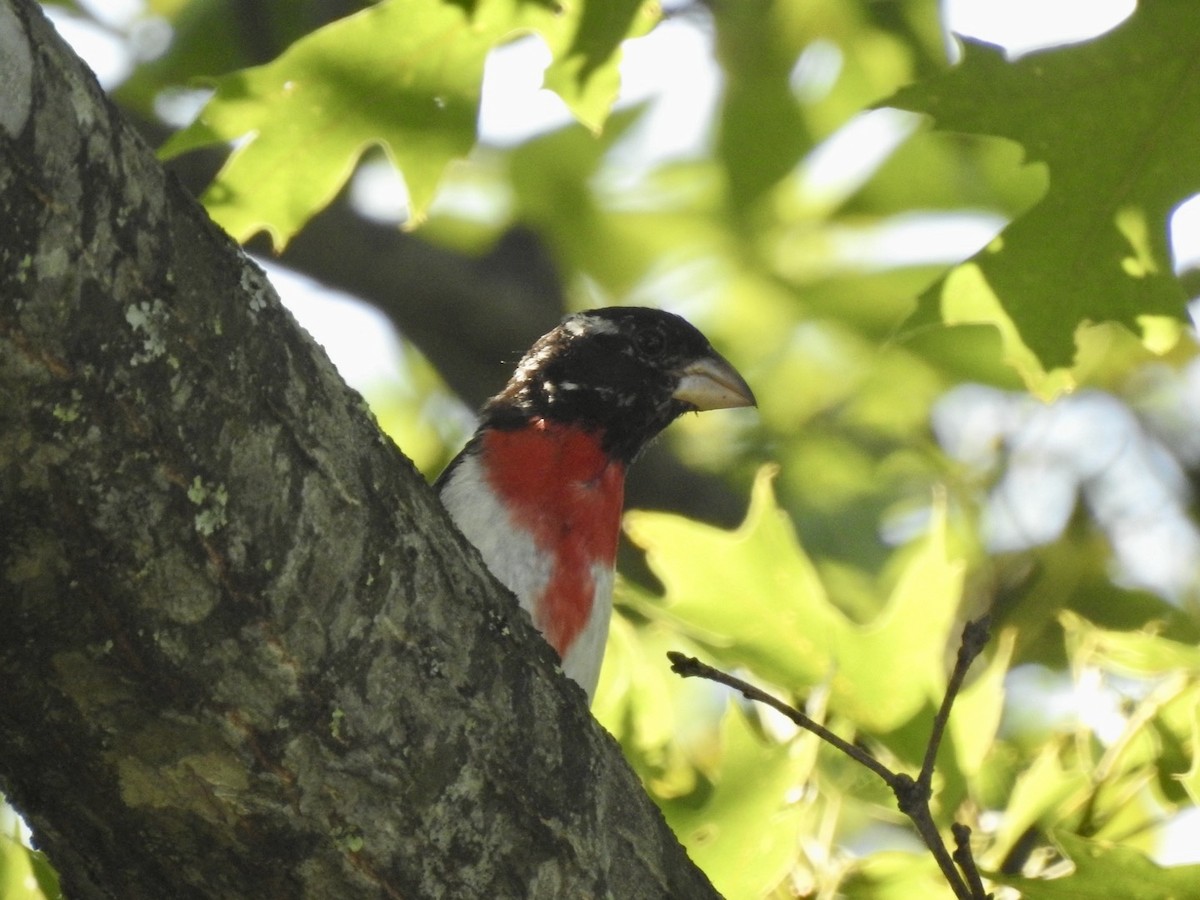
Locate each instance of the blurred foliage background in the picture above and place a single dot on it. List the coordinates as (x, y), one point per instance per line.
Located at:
(947, 271)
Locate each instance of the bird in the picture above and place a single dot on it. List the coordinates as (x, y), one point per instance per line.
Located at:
(539, 488)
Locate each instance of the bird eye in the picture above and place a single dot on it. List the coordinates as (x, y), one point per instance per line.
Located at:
(650, 343)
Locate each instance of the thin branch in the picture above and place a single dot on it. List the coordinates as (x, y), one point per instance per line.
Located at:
(966, 859)
(690, 667)
(912, 795)
(974, 638)
(912, 798)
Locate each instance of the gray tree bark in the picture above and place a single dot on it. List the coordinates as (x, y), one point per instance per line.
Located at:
(242, 651)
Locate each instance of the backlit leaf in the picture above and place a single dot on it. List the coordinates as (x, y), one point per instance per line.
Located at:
(403, 75)
(1116, 121)
(754, 599)
(1104, 871)
(744, 836)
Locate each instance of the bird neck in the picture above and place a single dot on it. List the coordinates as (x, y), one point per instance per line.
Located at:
(621, 430)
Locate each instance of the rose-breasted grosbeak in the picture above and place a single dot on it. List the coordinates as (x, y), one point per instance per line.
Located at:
(538, 489)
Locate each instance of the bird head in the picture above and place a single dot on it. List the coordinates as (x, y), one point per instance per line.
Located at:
(623, 372)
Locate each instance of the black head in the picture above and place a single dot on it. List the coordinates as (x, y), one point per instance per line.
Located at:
(624, 372)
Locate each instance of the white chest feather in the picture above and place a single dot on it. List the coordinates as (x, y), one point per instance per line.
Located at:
(513, 556)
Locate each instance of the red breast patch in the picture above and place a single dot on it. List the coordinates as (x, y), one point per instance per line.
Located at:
(567, 493)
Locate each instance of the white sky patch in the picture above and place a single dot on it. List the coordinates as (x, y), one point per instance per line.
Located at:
(1177, 842)
(179, 106)
(151, 37)
(513, 105)
(847, 159)
(1022, 26)
(915, 239)
(1086, 448)
(1042, 698)
(121, 35)
(1185, 234)
(378, 192)
(106, 53)
(673, 68)
(117, 14)
(359, 339)
(816, 70)
(474, 192)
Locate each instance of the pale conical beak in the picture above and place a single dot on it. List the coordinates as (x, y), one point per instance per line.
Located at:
(710, 382)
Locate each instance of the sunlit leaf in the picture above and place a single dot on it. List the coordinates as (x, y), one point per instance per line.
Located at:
(582, 72)
(754, 599)
(1104, 871)
(1039, 792)
(404, 75)
(1190, 780)
(1115, 120)
(1140, 652)
(24, 873)
(667, 726)
(744, 833)
(891, 875)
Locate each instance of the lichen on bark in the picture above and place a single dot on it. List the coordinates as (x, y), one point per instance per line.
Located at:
(242, 651)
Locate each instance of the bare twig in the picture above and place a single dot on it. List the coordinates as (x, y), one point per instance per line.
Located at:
(912, 795)
(912, 798)
(974, 638)
(965, 859)
(690, 667)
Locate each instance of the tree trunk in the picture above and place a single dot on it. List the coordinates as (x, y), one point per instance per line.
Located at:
(242, 651)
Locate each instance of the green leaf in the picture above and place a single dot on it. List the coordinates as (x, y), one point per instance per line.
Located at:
(749, 594)
(664, 723)
(1116, 120)
(1039, 795)
(404, 75)
(1190, 780)
(754, 598)
(1139, 653)
(584, 71)
(762, 131)
(24, 873)
(895, 875)
(744, 835)
(1104, 871)
(554, 191)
